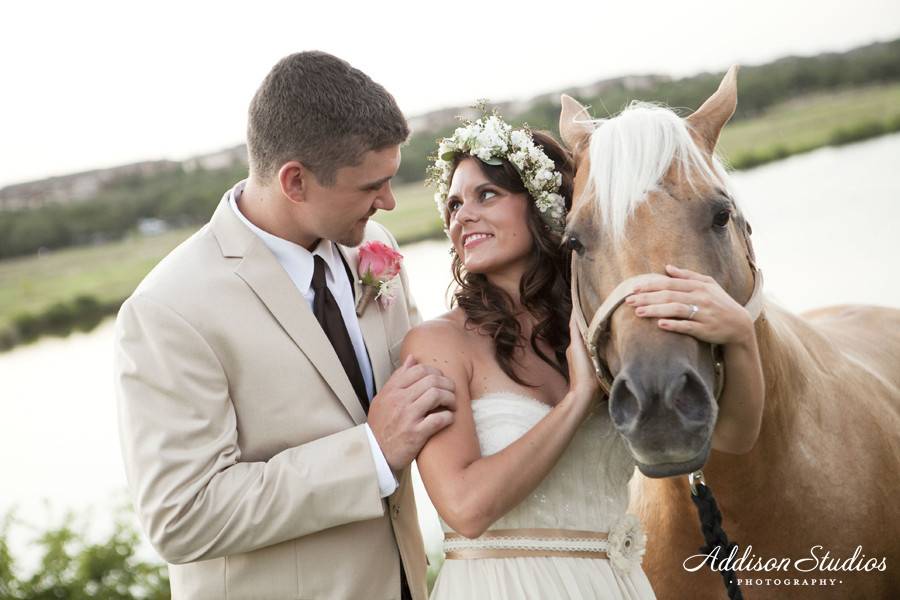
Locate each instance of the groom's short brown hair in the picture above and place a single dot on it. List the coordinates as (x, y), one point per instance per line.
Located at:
(317, 109)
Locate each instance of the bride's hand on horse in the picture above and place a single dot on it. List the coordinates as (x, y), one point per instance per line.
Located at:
(583, 382)
(719, 319)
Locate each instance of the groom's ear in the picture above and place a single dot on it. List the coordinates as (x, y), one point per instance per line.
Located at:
(295, 180)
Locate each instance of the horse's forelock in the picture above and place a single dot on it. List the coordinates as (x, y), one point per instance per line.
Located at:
(630, 155)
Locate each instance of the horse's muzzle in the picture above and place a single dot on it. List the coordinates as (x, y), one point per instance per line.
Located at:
(674, 469)
(666, 415)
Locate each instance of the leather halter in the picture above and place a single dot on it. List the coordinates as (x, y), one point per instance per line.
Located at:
(600, 323)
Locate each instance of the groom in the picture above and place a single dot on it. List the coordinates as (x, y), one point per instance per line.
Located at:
(266, 442)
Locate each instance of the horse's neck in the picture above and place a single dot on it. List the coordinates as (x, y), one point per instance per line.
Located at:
(793, 354)
(781, 498)
(790, 351)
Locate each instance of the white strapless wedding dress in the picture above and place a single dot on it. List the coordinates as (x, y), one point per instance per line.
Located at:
(587, 491)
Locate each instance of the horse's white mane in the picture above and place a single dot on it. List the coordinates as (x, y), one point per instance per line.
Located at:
(631, 152)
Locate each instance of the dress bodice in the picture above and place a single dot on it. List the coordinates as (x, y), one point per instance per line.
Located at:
(587, 489)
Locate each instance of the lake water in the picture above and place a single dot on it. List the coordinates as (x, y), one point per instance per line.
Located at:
(825, 230)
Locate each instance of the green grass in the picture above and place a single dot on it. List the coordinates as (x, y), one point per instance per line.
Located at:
(109, 272)
(808, 122)
(35, 286)
(60, 290)
(46, 293)
(415, 217)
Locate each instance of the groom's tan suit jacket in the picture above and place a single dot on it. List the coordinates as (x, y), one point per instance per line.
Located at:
(243, 440)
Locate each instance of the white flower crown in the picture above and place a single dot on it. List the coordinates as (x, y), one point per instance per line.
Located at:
(490, 139)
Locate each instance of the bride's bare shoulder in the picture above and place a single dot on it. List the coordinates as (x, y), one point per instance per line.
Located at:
(448, 327)
(441, 337)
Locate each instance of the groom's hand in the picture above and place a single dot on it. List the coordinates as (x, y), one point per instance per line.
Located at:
(415, 403)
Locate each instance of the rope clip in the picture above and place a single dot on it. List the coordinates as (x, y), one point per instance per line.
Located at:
(696, 478)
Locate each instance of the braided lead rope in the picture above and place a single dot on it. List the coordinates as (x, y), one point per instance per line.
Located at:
(713, 534)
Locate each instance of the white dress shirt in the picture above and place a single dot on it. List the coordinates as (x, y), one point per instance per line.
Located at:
(299, 264)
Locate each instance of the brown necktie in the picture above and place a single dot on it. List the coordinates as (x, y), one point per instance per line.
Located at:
(328, 313)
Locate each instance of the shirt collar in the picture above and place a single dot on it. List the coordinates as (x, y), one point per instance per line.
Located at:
(294, 258)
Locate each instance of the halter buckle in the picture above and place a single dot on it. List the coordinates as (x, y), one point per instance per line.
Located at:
(696, 478)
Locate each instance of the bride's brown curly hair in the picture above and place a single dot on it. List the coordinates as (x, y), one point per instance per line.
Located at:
(544, 288)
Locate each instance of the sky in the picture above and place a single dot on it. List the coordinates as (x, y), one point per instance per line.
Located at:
(93, 84)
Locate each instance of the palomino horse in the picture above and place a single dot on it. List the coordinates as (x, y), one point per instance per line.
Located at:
(824, 475)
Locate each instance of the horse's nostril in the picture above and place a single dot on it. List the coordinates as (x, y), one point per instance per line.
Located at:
(689, 397)
(624, 406)
(683, 404)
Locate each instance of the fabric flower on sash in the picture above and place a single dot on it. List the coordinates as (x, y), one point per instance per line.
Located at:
(626, 543)
(378, 267)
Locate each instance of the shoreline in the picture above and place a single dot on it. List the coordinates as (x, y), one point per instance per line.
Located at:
(840, 136)
(84, 311)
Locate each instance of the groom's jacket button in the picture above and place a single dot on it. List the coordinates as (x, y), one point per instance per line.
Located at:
(396, 510)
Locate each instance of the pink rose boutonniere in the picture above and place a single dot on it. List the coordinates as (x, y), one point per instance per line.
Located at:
(378, 267)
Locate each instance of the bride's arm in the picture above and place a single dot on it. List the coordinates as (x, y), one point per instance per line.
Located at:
(470, 491)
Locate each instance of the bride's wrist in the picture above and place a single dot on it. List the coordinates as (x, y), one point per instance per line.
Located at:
(576, 404)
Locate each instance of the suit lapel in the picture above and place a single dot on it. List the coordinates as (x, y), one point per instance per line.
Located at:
(261, 271)
(370, 323)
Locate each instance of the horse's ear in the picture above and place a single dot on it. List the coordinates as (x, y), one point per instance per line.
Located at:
(708, 120)
(574, 122)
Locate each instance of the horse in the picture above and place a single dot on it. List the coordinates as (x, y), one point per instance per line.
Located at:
(813, 504)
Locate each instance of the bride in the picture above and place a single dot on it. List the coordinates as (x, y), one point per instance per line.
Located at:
(531, 479)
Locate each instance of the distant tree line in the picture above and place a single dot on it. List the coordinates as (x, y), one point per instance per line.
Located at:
(188, 198)
(81, 313)
(760, 87)
(179, 198)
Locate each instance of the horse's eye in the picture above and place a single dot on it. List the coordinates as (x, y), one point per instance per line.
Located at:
(573, 244)
(721, 218)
